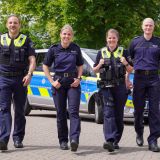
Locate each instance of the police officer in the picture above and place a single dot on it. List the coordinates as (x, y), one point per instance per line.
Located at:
(68, 66)
(145, 51)
(112, 62)
(17, 62)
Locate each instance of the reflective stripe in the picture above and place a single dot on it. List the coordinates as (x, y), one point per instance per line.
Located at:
(29, 90)
(86, 96)
(129, 103)
(5, 40)
(107, 54)
(19, 42)
(44, 92)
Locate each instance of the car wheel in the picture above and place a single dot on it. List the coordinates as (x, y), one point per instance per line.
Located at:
(27, 108)
(98, 113)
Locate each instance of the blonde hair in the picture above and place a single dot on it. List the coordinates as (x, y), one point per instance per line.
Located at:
(112, 31)
(67, 26)
(148, 19)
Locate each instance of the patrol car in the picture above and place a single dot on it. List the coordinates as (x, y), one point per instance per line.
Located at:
(40, 94)
(129, 108)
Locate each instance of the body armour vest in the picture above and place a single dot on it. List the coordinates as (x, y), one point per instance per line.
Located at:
(17, 56)
(112, 69)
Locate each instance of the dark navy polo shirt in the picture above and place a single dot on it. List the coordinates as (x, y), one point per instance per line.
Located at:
(64, 59)
(145, 53)
(28, 45)
(125, 54)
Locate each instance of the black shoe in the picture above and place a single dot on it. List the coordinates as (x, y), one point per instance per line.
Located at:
(139, 140)
(3, 146)
(74, 145)
(64, 146)
(154, 147)
(18, 144)
(109, 146)
(116, 146)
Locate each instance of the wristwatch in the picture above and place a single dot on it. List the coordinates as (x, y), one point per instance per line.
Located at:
(30, 74)
(79, 78)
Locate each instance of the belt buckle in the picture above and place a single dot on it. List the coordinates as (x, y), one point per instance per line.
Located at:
(146, 72)
(66, 75)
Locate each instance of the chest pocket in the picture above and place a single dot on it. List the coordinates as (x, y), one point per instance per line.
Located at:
(62, 58)
(20, 54)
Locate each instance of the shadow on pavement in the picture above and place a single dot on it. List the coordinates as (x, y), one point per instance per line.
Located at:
(86, 118)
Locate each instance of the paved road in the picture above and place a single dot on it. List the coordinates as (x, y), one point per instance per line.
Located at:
(41, 142)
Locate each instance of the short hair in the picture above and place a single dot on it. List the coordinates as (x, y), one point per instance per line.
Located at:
(67, 26)
(148, 19)
(14, 15)
(112, 31)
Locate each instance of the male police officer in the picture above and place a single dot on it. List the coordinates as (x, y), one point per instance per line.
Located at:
(17, 62)
(145, 50)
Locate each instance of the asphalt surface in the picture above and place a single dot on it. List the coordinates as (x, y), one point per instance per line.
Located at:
(41, 142)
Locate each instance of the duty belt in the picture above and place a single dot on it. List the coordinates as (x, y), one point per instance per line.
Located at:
(146, 72)
(70, 74)
(11, 74)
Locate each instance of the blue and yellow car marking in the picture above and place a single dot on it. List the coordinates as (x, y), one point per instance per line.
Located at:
(40, 86)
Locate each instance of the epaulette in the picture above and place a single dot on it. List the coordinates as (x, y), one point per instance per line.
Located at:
(54, 45)
(136, 37)
(157, 37)
(75, 44)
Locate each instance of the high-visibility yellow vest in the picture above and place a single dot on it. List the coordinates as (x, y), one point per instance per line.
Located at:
(18, 42)
(116, 54)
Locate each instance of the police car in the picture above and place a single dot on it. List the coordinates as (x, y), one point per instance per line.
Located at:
(40, 95)
(129, 108)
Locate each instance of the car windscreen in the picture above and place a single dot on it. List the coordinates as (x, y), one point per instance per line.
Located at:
(92, 53)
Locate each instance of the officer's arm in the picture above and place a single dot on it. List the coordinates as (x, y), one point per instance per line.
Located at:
(98, 66)
(32, 64)
(47, 73)
(80, 71)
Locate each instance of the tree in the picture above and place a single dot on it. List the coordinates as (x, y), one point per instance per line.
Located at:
(90, 19)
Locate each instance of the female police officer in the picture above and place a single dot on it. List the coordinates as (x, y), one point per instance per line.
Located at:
(68, 67)
(112, 62)
(16, 57)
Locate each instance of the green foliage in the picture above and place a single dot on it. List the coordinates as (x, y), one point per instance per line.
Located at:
(90, 19)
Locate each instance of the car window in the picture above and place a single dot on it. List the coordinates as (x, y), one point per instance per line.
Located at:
(92, 53)
(39, 61)
(87, 70)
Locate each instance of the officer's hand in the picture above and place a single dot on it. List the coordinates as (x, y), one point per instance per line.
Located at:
(123, 60)
(129, 84)
(56, 84)
(101, 62)
(26, 80)
(76, 82)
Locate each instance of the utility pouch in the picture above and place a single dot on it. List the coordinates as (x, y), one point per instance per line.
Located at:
(107, 61)
(16, 55)
(5, 51)
(108, 75)
(22, 54)
(122, 70)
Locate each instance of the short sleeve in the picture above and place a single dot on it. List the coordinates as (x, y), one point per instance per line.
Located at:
(99, 56)
(49, 57)
(30, 47)
(80, 60)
